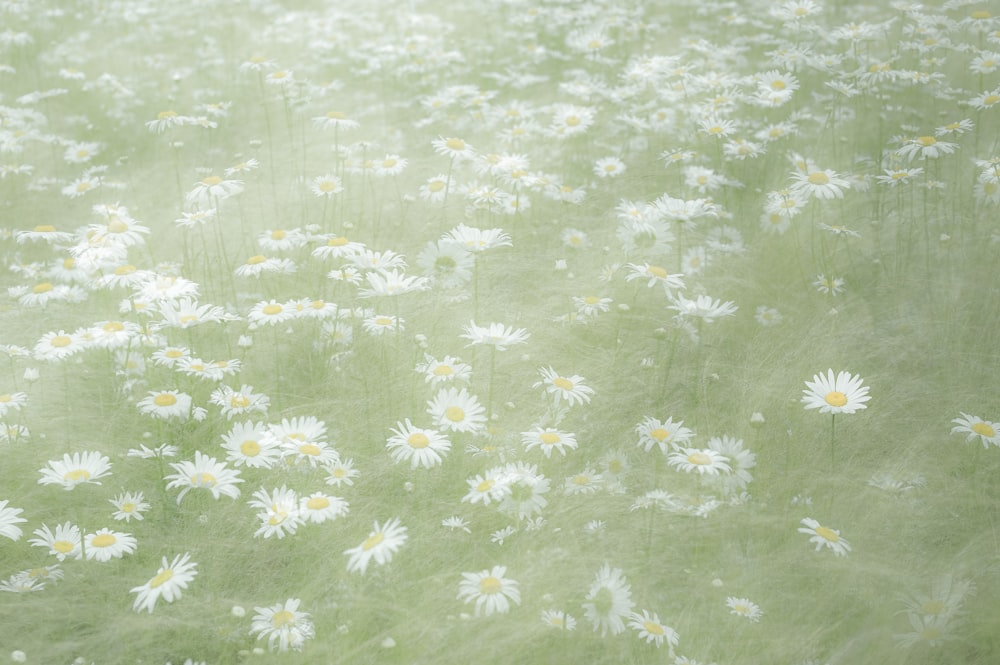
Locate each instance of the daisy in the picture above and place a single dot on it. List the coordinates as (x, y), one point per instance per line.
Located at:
(700, 460)
(438, 371)
(925, 147)
(587, 481)
(651, 629)
(129, 505)
(662, 433)
(843, 394)
(205, 473)
(64, 542)
(524, 491)
(341, 472)
(168, 582)
(337, 247)
(9, 519)
(381, 324)
(558, 619)
(833, 286)
(819, 183)
(106, 544)
(76, 469)
(283, 625)
(569, 389)
(166, 404)
(12, 402)
(239, 402)
(495, 334)
(208, 191)
(928, 630)
(381, 544)
(824, 537)
(548, 439)
(492, 591)
(453, 148)
(320, 507)
(279, 515)
(974, 426)
(703, 307)
(609, 167)
(326, 186)
(421, 447)
(457, 411)
(335, 120)
(609, 601)
(476, 239)
(745, 608)
(446, 262)
(655, 275)
(487, 488)
(251, 444)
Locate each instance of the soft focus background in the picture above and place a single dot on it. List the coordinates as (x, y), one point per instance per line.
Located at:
(440, 333)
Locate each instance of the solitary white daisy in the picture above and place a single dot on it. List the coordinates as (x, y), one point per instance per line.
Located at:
(651, 629)
(492, 592)
(106, 544)
(975, 427)
(457, 411)
(76, 469)
(745, 608)
(421, 447)
(609, 601)
(824, 537)
(700, 460)
(381, 544)
(168, 582)
(841, 394)
(570, 389)
(283, 625)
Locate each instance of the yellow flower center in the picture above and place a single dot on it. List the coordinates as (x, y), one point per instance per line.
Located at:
(572, 121)
(455, 144)
(114, 326)
(562, 384)
(250, 448)
(103, 540)
(581, 479)
(272, 309)
(239, 401)
(327, 186)
(373, 540)
(660, 434)
(699, 458)
(827, 534)
(836, 398)
(310, 449)
(389, 163)
(653, 628)
(45, 228)
(203, 479)
(990, 100)
(436, 186)
(282, 618)
(163, 115)
(339, 241)
(550, 438)
(455, 414)
(926, 140)
(489, 585)
(255, 259)
(336, 115)
(60, 341)
(657, 271)
(165, 399)
(983, 430)
(77, 475)
(442, 370)
(484, 486)
(125, 270)
(980, 14)
(383, 321)
(161, 578)
(932, 607)
(211, 180)
(128, 507)
(42, 287)
(818, 178)
(63, 546)
(418, 440)
(777, 85)
(317, 503)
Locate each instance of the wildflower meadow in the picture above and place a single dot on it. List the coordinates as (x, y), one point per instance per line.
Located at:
(508, 331)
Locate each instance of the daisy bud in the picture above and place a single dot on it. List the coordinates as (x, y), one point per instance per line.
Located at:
(238, 611)
(31, 374)
(757, 419)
